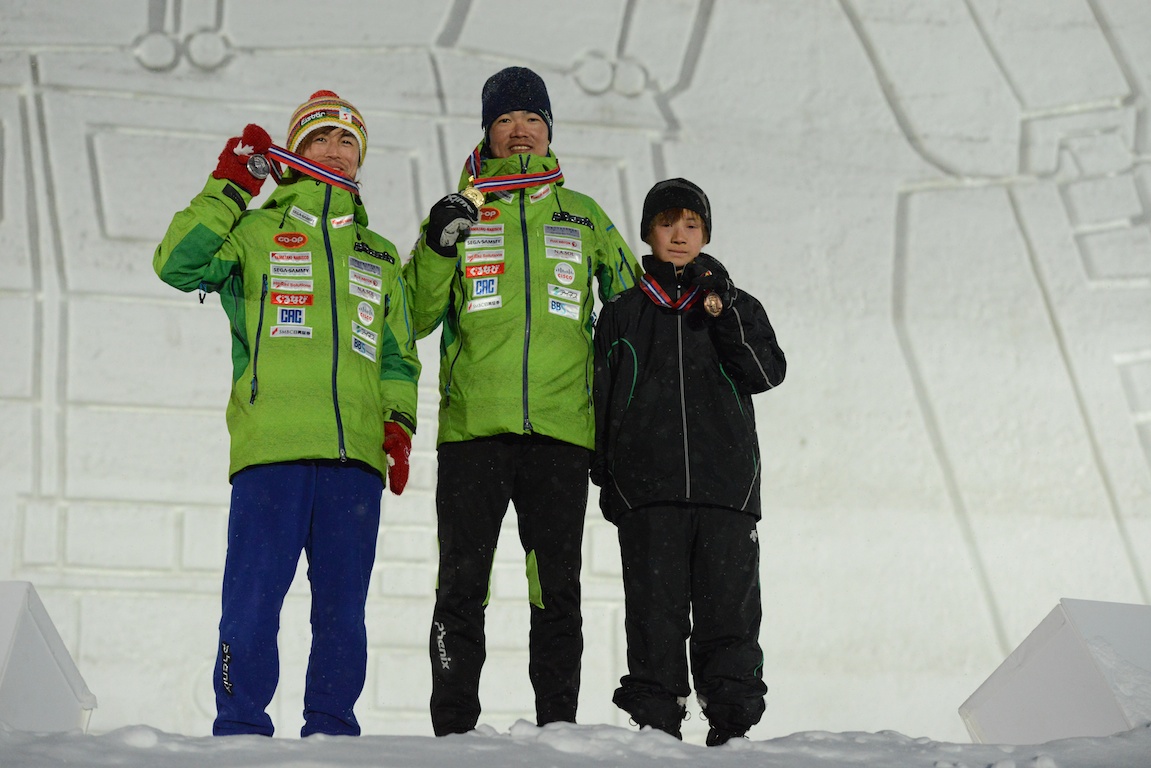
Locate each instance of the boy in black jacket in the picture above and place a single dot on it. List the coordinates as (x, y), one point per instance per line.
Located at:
(677, 359)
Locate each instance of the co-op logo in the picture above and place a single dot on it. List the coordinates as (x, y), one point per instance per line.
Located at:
(291, 239)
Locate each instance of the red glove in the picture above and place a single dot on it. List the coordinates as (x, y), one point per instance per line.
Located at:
(233, 163)
(398, 447)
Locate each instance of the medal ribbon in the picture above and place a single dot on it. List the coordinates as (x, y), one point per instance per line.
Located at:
(660, 297)
(511, 181)
(317, 171)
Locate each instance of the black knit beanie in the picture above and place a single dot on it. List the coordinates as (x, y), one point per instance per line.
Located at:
(515, 88)
(675, 193)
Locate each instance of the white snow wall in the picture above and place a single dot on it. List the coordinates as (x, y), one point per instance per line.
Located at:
(943, 205)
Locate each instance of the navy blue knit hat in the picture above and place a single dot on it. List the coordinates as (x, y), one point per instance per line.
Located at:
(515, 88)
(675, 193)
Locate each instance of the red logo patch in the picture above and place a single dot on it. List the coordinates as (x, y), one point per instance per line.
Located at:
(489, 214)
(292, 299)
(483, 270)
(291, 239)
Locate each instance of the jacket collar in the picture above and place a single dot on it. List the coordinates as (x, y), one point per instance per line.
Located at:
(663, 272)
(508, 166)
(308, 195)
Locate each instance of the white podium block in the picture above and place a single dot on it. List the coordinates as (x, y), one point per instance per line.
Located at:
(41, 689)
(1084, 671)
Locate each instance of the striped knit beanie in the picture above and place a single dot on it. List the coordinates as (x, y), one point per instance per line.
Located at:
(324, 109)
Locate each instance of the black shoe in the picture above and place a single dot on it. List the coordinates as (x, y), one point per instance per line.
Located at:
(716, 737)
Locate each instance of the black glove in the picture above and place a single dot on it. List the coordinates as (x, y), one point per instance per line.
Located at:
(448, 223)
(707, 273)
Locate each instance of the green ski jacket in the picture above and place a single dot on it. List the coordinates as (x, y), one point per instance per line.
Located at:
(323, 351)
(517, 309)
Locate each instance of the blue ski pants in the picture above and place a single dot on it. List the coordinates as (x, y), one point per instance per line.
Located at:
(331, 513)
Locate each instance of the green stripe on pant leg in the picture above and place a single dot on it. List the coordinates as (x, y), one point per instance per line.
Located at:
(535, 589)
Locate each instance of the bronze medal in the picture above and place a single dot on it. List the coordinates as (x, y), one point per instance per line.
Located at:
(713, 304)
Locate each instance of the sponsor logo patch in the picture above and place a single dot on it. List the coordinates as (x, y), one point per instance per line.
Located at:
(364, 348)
(359, 247)
(280, 284)
(479, 257)
(569, 232)
(290, 315)
(365, 266)
(489, 214)
(365, 280)
(487, 229)
(563, 309)
(565, 273)
(292, 299)
(483, 270)
(342, 221)
(570, 243)
(302, 215)
(289, 257)
(488, 241)
(292, 270)
(291, 331)
(478, 305)
(366, 312)
(291, 239)
(364, 293)
(544, 192)
(367, 335)
(485, 286)
(563, 253)
(567, 294)
(572, 219)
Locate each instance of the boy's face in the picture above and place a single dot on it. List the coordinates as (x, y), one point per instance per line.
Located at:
(676, 241)
(335, 148)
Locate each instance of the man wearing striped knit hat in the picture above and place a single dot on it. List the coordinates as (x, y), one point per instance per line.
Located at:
(323, 401)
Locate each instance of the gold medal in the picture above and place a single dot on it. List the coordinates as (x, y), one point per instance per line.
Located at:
(472, 194)
(713, 304)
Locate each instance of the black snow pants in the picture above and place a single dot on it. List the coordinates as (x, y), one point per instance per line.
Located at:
(547, 482)
(691, 578)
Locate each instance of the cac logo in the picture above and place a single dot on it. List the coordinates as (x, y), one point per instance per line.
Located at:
(489, 214)
(291, 239)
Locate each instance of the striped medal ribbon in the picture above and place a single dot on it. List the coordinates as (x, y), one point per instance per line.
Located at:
(317, 171)
(511, 181)
(659, 296)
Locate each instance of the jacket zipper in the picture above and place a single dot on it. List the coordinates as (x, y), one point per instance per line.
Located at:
(256, 349)
(527, 300)
(335, 322)
(683, 399)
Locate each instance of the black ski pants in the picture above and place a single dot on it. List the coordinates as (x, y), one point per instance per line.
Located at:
(691, 581)
(547, 482)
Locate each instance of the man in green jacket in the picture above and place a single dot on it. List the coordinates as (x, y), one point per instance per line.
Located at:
(322, 407)
(509, 275)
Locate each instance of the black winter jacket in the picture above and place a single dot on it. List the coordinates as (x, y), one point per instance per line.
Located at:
(674, 419)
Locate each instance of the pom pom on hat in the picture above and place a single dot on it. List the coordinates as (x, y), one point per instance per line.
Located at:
(512, 89)
(675, 193)
(324, 109)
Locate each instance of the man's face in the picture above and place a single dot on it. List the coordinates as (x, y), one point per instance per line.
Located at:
(518, 133)
(676, 240)
(335, 148)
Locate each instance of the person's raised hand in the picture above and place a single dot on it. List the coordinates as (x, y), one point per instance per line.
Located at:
(448, 223)
(233, 162)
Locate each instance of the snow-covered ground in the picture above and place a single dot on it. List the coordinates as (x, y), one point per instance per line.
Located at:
(558, 746)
